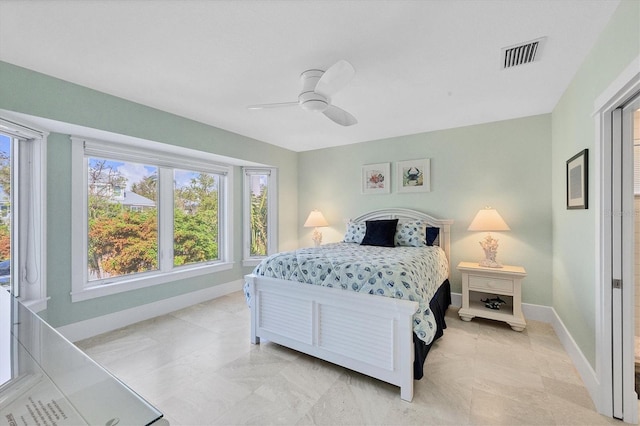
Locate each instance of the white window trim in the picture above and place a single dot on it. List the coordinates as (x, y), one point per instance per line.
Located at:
(29, 230)
(272, 220)
(154, 154)
(636, 170)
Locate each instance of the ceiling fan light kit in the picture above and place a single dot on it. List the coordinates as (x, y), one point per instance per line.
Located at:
(312, 101)
(317, 87)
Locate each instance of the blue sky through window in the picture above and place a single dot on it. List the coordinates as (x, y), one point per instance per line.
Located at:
(135, 172)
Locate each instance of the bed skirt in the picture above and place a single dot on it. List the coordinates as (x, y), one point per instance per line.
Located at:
(438, 305)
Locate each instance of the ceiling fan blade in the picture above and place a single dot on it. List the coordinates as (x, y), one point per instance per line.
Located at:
(277, 105)
(335, 78)
(340, 116)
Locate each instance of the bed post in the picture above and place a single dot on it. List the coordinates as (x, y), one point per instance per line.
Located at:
(407, 356)
(445, 240)
(251, 280)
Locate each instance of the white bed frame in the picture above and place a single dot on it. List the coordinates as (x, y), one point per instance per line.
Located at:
(317, 320)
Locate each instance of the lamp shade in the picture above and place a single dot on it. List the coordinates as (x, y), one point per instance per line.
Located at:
(488, 219)
(315, 219)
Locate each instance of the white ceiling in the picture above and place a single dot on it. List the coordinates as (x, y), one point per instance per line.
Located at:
(420, 65)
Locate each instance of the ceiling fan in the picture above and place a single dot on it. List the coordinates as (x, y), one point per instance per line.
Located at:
(317, 88)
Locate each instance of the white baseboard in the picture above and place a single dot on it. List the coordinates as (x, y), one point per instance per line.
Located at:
(530, 311)
(94, 326)
(587, 373)
(456, 300)
(549, 315)
(538, 313)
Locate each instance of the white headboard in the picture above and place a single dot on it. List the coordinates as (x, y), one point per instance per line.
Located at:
(404, 215)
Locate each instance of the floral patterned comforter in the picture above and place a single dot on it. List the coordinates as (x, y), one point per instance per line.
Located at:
(411, 273)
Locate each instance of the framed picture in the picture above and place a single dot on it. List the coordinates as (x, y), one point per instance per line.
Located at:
(414, 175)
(578, 181)
(376, 179)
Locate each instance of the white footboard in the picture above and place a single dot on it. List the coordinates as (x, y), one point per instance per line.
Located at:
(327, 323)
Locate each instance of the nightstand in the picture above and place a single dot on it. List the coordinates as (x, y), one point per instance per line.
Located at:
(492, 293)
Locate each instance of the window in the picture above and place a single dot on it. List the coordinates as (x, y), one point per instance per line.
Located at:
(22, 218)
(260, 214)
(195, 219)
(145, 216)
(5, 209)
(122, 232)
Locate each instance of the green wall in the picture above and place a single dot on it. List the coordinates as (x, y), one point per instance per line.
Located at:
(516, 166)
(574, 231)
(28, 92)
(504, 164)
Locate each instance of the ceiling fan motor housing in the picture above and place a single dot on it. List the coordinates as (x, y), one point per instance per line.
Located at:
(308, 98)
(317, 88)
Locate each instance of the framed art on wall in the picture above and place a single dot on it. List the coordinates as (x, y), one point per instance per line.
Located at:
(414, 175)
(376, 179)
(578, 181)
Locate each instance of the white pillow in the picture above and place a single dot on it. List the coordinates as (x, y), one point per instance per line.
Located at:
(355, 232)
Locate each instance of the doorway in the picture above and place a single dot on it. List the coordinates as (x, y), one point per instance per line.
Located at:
(636, 242)
(617, 254)
(624, 240)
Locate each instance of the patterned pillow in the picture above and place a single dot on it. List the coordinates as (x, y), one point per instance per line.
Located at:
(411, 234)
(355, 232)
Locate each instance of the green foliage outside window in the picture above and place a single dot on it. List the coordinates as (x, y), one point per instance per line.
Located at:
(195, 221)
(195, 238)
(123, 243)
(5, 187)
(5, 242)
(124, 240)
(259, 230)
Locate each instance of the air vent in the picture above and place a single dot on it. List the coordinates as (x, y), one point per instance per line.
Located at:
(522, 53)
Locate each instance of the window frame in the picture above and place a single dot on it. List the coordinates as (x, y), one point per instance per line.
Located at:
(156, 154)
(636, 170)
(272, 213)
(28, 237)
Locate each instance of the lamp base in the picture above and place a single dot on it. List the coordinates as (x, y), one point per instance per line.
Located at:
(317, 237)
(488, 263)
(490, 247)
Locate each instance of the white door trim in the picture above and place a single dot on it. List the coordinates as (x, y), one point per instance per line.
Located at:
(630, 397)
(620, 90)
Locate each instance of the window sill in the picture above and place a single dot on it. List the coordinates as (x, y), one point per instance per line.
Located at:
(251, 262)
(92, 292)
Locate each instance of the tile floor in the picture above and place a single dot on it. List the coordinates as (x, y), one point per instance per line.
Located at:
(197, 366)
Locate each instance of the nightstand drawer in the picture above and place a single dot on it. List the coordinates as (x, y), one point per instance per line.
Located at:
(486, 283)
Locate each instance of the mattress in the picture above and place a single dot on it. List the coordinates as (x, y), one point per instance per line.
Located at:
(410, 273)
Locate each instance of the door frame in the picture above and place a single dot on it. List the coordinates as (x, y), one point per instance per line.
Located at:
(621, 90)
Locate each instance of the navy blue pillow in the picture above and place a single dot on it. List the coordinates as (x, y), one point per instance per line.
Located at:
(432, 235)
(380, 233)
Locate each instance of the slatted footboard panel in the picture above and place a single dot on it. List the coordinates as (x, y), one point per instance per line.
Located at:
(341, 333)
(369, 334)
(290, 317)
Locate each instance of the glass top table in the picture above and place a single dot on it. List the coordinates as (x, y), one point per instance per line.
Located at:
(46, 380)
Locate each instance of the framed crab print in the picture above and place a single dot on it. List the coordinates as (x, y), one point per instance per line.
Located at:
(414, 175)
(376, 179)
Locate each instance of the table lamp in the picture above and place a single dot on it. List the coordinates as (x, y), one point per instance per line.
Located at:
(489, 219)
(315, 220)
